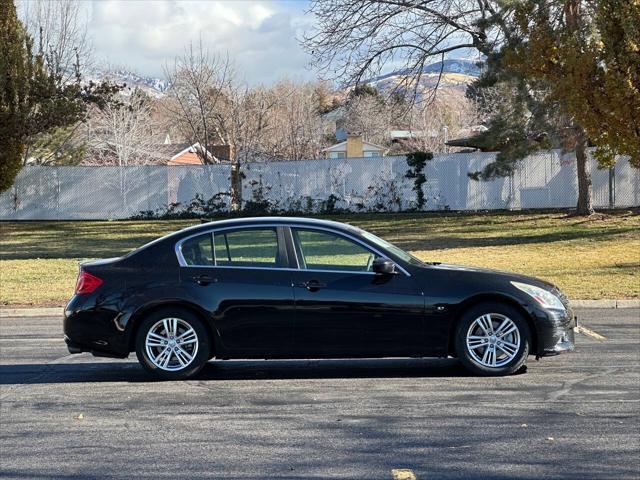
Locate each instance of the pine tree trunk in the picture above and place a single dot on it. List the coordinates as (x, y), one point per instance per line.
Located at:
(585, 203)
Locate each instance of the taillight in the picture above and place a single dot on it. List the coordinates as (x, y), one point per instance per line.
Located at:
(87, 283)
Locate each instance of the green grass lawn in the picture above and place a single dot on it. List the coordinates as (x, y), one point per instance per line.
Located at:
(589, 258)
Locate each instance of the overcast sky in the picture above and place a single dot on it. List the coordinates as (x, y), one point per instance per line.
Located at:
(142, 35)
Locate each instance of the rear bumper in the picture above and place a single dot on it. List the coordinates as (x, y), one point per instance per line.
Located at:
(72, 346)
(75, 347)
(89, 328)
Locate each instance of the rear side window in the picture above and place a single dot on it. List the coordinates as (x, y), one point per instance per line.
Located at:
(247, 248)
(198, 250)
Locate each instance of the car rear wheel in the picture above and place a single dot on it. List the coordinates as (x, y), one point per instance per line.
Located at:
(172, 344)
(492, 339)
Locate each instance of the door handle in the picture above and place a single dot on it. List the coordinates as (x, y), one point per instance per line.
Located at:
(311, 285)
(204, 279)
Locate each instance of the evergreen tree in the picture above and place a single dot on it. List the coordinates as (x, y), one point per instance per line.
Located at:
(34, 101)
(600, 76)
(575, 68)
(14, 69)
(364, 89)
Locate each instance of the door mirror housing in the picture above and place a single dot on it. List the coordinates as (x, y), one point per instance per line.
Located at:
(383, 266)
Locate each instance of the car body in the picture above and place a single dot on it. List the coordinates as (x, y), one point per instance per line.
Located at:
(278, 287)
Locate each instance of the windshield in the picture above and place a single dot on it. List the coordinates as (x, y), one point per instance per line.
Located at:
(390, 247)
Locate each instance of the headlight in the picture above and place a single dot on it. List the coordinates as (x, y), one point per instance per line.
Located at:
(542, 296)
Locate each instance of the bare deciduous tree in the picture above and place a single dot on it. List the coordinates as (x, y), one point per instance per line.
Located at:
(60, 31)
(369, 116)
(202, 85)
(123, 133)
(296, 122)
(355, 39)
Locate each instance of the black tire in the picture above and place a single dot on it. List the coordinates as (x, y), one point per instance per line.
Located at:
(177, 373)
(498, 311)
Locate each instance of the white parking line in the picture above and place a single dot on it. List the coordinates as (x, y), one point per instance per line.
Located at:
(403, 474)
(590, 333)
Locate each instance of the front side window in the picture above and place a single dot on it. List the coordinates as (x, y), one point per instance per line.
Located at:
(390, 247)
(198, 250)
(246, 248)
(327, 251)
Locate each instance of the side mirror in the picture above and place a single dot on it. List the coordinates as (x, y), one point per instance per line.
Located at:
(383, 266)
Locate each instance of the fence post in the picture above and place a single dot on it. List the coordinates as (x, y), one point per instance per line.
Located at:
(512, 190)
(148, 171)
(16, 198)
(58, 192)
(612, 187)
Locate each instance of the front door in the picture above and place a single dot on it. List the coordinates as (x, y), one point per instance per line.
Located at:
(241, 276)
(344, 309)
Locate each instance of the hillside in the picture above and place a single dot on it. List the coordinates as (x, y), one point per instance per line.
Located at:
(154, 87)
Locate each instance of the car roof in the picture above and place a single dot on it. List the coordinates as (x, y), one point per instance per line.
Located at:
(246, 221)
(240, 222)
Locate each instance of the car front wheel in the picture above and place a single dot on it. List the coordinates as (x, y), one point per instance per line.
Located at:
(172, 345)
(492, 339)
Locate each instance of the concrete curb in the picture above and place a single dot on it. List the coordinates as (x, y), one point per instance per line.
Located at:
(635, 303)
(31, 312)
(58, 311)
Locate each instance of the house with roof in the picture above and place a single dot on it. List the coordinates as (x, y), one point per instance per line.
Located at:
(187, 154)
(472, 140)
(193, 154)
(354, 147)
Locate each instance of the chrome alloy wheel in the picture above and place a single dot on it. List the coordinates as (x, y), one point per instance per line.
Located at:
(171, 344)
(493, 340)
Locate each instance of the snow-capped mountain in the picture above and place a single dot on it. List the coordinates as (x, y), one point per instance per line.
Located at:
(154, 87)
(471, 68)
(456, 65)
(456, 76)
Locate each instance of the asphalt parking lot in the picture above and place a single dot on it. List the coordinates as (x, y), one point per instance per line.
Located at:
(75, 416)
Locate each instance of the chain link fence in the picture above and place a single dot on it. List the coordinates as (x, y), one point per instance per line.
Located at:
(544, 180)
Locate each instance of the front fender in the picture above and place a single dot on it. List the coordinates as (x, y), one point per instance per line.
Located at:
(536, 317)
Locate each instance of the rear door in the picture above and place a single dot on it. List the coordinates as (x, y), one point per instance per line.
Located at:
(241, 275)
(343, 308)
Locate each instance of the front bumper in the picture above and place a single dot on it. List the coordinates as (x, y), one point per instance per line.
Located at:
(555, 331)
(564, 345)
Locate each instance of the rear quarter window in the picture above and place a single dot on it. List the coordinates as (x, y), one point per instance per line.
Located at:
(198, 250)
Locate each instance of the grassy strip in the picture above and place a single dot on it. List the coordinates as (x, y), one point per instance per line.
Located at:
(589, 258)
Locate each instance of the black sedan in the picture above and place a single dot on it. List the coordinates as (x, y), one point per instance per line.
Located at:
(303, 288)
